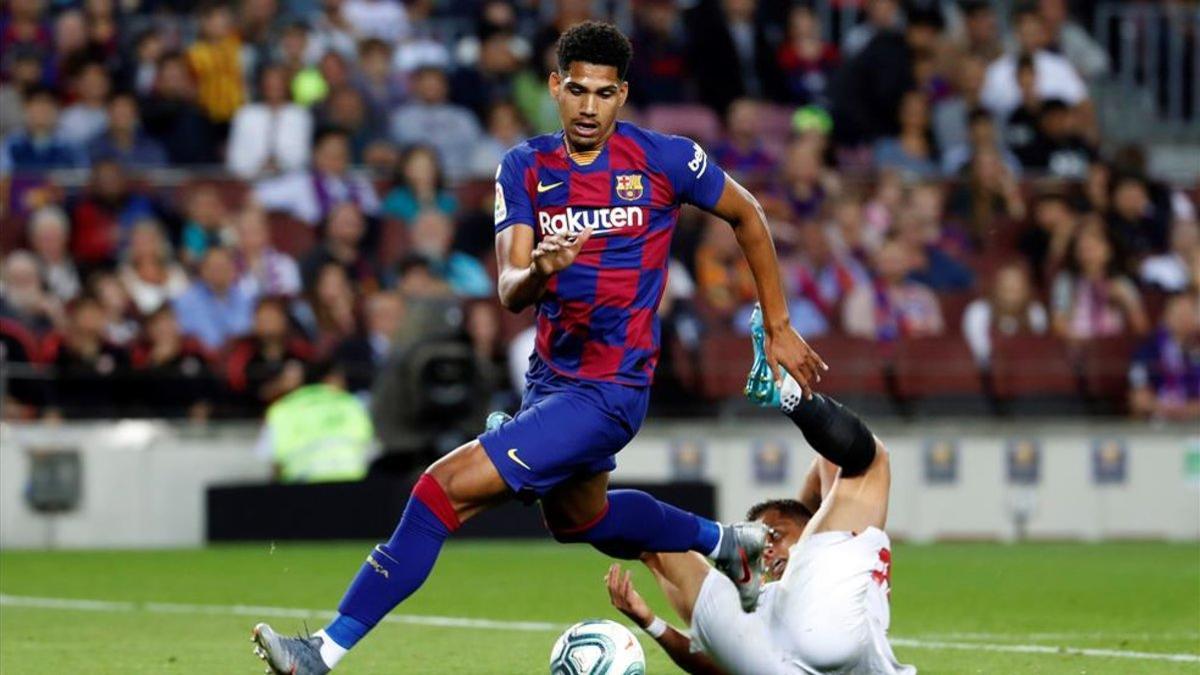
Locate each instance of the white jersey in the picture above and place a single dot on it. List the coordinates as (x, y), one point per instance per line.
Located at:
(828, 614)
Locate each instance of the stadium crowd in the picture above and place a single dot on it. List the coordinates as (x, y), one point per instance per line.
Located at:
(200, 202)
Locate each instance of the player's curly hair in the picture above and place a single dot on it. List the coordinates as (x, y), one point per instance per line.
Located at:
(788, 508)
(594, 42)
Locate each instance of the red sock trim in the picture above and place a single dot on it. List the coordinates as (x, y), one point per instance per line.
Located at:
(586, 526)
(430, 493)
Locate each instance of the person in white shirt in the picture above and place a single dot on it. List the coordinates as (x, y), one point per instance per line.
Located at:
(87, 117)
(1055, 77)
(49, 237)
(310, 195)
(1012, 309)
(272, 135)
(383, 19)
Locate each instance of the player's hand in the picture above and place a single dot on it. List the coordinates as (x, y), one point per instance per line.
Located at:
(554, 253)
(625, 598)
(786, 350)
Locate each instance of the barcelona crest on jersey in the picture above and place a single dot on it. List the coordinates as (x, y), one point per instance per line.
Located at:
(629, 186)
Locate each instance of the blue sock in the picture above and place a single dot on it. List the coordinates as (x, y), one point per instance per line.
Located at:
(395, 570)
(635, 522)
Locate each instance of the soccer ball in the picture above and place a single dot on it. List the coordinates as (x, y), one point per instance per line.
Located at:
(597, 647)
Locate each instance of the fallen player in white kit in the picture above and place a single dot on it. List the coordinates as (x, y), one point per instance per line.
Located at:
(825, 608)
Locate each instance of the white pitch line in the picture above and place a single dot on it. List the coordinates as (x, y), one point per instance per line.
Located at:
(1046, 649)
(526, 626)
(1081, 635)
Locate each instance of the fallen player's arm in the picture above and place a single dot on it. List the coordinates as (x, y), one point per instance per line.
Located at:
(810, 489)
(674, 642)
(785, 347)
(525, 268)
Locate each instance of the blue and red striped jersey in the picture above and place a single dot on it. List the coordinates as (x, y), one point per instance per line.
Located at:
(598, 318)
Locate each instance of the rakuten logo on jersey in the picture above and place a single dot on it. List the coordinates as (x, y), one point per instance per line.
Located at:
(571, 221)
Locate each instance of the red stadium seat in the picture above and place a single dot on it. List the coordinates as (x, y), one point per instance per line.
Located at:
(694, 121)
(936, 366)
(856, 366)
(724, 362)
(290, 235)
(1104, 365)
(953, 306)
(1032, 365)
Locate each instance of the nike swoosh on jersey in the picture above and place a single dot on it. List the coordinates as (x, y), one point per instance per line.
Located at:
(543, 188)
(512, 454)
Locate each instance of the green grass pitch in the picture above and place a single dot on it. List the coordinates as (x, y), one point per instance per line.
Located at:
(186, 611)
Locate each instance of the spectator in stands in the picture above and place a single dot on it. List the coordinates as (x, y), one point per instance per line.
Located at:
(149, 272)
(25, 29)
(893, 306)
(658, 71)
(1047, 244)
(871, 85)
(1054, 76)
(364, 354)
(90, 373)
(86, 118)
(849, 233)
(911, 152)
(817, 281)
(1091, 298)
(981, 136)
(331, 31)
(49, 237)
(747, 67)
(1179, 269)
(806, 60)
(346, 109)
(981, 30)
(1165, 375)
(951, 115)
(533, 97)
(268, 363)
(216, 59)
(491, 79)
(121, 327)
(1010, 309)
(214, 308)
(342, 244)
(319, 432)
(882, 16)
(1135, 223)
(271, 135)
(1022, 132)
(23, 299)
(1068, 38)
(259, 22)
(26, 72)
(124, 140)
(106, 214)
(420, 186)
(932, 263)
(312, 196)
(174, 372)
(432, 237)
(806, 182)
(206, 224)
(329, 314)
(381, 19)
(879, 213)
(37, 147)
(1060, 148)
(430, 118)
(741, 150)
(263, 270)
(505, 130)
(382, 88)
(174, 119)
(723, 277)
(990, 199)
(140, 70)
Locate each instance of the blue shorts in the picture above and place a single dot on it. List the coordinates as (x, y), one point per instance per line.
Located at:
(565, 427)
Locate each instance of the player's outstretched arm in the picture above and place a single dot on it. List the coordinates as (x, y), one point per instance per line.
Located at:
(674, 642)
(525, 268)
(785, 348)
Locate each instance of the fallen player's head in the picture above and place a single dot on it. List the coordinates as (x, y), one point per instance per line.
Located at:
(589, 84)
(787, 519)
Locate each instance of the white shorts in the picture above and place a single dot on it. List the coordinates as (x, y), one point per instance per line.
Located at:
(829, 613)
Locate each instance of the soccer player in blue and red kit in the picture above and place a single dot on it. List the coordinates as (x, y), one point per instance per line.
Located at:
(584, 219)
